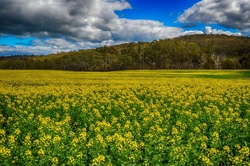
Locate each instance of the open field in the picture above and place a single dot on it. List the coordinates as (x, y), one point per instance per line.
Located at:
(160, 117)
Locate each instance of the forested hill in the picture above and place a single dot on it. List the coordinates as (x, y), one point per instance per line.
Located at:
(186, 52)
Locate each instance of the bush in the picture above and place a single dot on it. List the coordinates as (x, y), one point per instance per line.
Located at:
(228, 64)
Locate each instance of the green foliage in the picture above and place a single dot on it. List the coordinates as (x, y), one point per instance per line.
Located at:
(209, 64)
(245, 61)
(229, 64)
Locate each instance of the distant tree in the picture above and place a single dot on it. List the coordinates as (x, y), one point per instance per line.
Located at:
(217, 58)
(209, 64)
(194, 56)
(150, 56)
(245, 61)
(228, 64)
(125, 62)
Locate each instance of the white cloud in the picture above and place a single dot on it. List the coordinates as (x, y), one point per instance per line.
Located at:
(209, 30)
(228, 13)
(192, 32)
(43, 47)
(118, 5)
(142, 30)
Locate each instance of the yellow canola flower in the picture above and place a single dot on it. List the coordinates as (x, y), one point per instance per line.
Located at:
(11, 139)
(206, 160)
(74, 142)
(28, 153)
(36, 142)
(215, 135)
(27, 140)
(226, 149)
(90, 143)
(212, 152)
(54, 160)
(244, 151)
(237, 146)
(5, 152)
(236, 160)
(129, 135)
(56, 139)
(98, 160)
(83, 135)
(2, 118)
(17, 131)
(100, 138)
(109, 138)
(174, 131)
(197, 129)
(203, 145)
(41, 152)
(2, 132)
(71, 160)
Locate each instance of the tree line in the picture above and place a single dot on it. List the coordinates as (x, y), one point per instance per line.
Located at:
(186, 52)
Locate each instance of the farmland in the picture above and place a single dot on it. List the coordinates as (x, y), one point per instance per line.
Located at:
(160, 117)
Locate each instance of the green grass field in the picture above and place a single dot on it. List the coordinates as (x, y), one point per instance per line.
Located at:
(158, 117)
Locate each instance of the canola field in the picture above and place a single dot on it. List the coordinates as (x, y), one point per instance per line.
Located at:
(124, 118)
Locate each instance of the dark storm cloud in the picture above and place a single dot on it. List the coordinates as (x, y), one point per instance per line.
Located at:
(74, 18)
(88, 20)
(228, 13)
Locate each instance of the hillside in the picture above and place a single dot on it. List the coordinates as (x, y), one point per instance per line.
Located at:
(185, 52)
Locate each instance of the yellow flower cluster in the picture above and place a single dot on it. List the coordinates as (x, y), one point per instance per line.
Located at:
(98, 160)
(123, 118)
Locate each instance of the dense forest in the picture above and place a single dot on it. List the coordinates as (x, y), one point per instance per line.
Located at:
(185, 52)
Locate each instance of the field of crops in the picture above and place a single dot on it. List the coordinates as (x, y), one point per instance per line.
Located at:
(124, 118)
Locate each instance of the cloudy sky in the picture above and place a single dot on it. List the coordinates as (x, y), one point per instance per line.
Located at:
(50, 26)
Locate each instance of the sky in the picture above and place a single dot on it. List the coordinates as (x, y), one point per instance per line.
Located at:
(43, 27)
